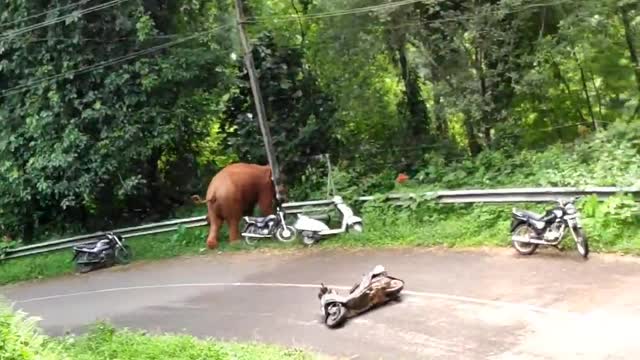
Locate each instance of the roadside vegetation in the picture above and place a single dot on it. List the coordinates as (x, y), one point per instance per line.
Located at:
(607, 159)
(21, 339)
(455, 94)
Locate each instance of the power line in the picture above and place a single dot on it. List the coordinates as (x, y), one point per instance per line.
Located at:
(75, 14)
(373, 8)
(107, 41)
(336, 13)
(406, 24)
(45, 12)
(104, 64)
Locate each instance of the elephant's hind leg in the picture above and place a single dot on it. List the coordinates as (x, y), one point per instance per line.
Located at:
(234, 228)
(215, 222)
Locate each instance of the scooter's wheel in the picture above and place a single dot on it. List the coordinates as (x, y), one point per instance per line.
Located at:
(308, 238)
(286, 233)
(357, 227)
(394, 288)
(336, 315)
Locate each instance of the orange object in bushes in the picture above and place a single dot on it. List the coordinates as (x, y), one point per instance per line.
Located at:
(402, 178)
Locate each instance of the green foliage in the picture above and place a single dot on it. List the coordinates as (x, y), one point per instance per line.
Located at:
(87, 146)
(613, 224)
(454, 93)
(299, 112)
(105, 342)
(20, 338)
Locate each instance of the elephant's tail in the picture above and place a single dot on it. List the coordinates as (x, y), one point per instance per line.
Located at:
(196, 199)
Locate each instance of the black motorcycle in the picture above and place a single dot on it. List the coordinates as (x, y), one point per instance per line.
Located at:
(104, 253)
(268, 227)
(530, 230)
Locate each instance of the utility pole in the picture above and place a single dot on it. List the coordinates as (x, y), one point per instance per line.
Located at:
(257, 98)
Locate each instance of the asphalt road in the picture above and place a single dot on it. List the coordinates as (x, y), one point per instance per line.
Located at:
(458, 304)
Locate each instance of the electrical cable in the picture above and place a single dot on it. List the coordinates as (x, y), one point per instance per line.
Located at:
(45, 12)
(24, 30)
(259, 19)
(106, 63)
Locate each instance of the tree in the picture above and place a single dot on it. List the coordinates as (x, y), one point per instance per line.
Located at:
(90, 144)
(298, 111)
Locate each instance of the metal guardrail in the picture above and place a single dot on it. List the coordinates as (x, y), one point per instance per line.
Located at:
(137, 231)
(444, 197)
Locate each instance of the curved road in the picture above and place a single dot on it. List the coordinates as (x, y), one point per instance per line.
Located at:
(458, 304)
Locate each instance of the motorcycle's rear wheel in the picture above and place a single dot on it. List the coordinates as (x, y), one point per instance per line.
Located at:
(521, 247)
(336, 314)
(251, 241)
(83, 268)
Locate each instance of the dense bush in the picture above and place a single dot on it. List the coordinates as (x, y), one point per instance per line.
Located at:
(20, 339)
(608, 158)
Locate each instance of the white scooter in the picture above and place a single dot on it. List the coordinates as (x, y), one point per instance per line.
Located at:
(313, 230)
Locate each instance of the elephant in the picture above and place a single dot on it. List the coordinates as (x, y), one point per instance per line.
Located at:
(233, 193)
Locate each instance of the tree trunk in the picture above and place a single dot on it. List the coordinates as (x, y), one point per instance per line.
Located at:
(558, 75)
(633, 55)
(442, 125)
(486, 120)
(417, 107)
(29, 221)
(598, 96)
(585, 90)
(472, 137)
(155, 196)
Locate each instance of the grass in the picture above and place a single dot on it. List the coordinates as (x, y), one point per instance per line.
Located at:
(20, 339)
(105, 342)
(426, 225)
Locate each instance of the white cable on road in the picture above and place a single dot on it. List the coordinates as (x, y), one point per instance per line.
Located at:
(457, 298)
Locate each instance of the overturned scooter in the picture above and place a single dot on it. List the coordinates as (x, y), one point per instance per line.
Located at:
(376, 288)
(313, 230)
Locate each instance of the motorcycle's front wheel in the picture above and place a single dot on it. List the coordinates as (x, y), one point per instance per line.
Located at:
(286, 233)
(123, 254)
(523, 248)
(336, 314)
(581, 241)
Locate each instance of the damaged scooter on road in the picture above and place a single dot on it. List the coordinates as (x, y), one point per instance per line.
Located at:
(376, 288)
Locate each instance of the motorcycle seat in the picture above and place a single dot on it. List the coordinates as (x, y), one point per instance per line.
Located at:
(259, 220)
(528, 214)
(85, 247)
(91, 249)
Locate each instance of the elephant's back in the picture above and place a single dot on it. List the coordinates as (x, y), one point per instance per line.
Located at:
(238, 178)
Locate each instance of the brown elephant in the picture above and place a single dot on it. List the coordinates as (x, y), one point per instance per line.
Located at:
(233, 193)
